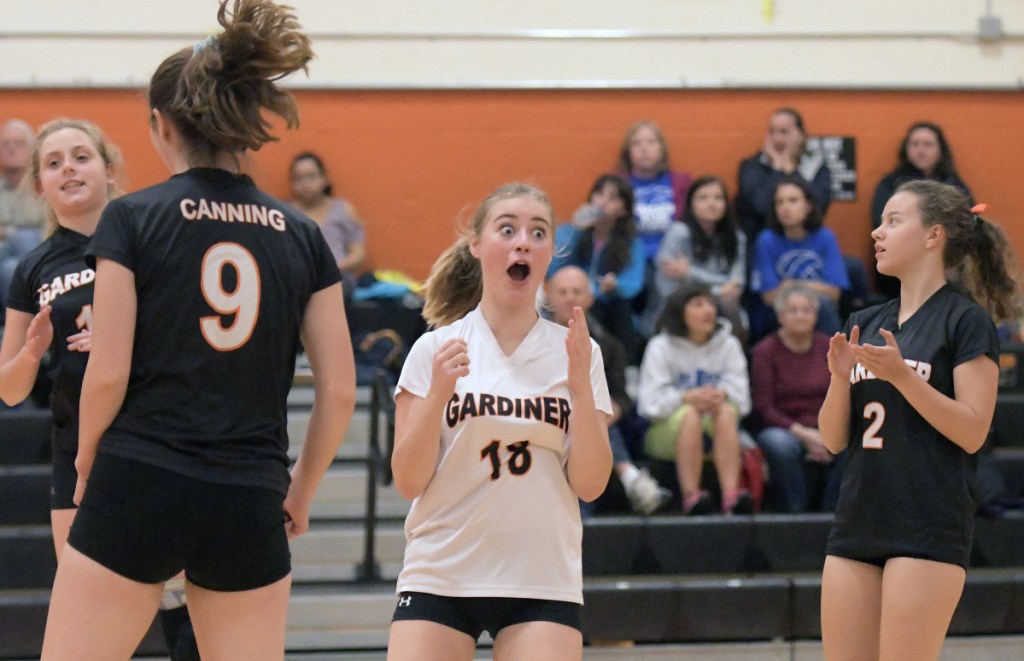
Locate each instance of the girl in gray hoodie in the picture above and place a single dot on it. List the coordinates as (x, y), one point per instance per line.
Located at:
(694, 389)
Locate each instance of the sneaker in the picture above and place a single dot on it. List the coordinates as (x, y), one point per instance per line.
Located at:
(174, 594)
(738, 502)
(645, 495)
(698, 503)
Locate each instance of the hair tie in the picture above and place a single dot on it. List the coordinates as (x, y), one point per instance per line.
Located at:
(976, 212)
(200, 45)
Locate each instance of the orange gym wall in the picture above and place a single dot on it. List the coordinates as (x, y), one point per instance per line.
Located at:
(412, 161)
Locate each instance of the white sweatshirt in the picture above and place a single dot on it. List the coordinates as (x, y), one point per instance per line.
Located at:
(673, 365)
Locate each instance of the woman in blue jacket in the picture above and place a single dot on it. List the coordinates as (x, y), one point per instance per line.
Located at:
(602, 241)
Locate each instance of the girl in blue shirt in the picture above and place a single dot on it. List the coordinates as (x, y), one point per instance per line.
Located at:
(796, 247)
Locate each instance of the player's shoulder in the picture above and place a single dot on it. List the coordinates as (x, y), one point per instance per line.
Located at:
(865, 317)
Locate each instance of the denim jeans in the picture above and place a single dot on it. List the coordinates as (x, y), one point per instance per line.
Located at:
(787, 473)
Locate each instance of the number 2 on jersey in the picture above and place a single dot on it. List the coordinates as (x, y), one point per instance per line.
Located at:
(875, 412)
(518, 462)
(243, 302)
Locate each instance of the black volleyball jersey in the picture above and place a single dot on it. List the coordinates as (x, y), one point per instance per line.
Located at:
(223, 273)
(907, 489)
(54, 273)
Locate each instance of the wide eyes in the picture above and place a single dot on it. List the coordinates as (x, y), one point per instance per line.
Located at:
(538, 233)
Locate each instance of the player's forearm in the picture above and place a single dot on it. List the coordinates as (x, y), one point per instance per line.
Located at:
(834, 416)
(590, 454)
(954, 419)
(333, 404)
(417, 444)
(17, 376)
(103, 393)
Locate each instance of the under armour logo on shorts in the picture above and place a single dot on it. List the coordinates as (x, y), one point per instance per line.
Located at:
(405, 601)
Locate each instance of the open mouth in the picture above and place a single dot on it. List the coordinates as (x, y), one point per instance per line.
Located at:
(72, 184)
(519, 271)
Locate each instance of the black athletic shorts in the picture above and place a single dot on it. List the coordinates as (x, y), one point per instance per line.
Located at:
(147, 523)
(63, 479)
(474, 615)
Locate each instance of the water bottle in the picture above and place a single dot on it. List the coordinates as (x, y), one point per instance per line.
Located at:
(587, 215)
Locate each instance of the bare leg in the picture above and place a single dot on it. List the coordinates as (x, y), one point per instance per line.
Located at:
(726, 449)
(96, 614)
(60, 523)
(689, 452)
(851, 609)
(538, 641)
(918, 600)
(240, 625)
(421, 640)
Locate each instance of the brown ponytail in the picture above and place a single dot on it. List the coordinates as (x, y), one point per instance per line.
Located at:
(215, 91)
(976, 252)
(455, 284)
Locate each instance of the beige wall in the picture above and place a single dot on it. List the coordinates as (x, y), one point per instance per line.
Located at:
(545, 43)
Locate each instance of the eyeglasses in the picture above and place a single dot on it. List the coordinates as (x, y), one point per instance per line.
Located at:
(311, 176)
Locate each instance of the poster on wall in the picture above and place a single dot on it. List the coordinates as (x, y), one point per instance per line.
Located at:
(840, 154)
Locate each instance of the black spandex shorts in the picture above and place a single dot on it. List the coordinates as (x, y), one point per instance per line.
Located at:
(63, 479)
(147, 523)
(474, 615)
(879, 559)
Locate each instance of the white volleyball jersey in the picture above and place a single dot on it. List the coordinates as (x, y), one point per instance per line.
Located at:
(498, 518)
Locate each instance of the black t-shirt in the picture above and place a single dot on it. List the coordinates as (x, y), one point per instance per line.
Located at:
(907, 489)
(223, 273)
(55, 274)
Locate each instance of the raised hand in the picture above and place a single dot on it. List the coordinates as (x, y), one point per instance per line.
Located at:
(39, 335)
(885, 362)
(842, 357)
(450, 362)
(578, 348)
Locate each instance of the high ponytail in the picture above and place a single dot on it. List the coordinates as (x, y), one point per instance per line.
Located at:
(215, 91)
(976, 253)
(455, 284)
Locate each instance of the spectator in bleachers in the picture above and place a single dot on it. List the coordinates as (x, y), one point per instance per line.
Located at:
(795, 247)
(789, 379)
(706, 249)
(21, 210)
(313, 195)
(924, 154)
(569, 288)
(911, 399)
(659, 194)
(602, 241)
(659, 191)
(784, 154)
(694, 385)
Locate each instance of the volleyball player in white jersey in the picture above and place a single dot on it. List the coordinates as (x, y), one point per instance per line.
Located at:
(500, 427)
